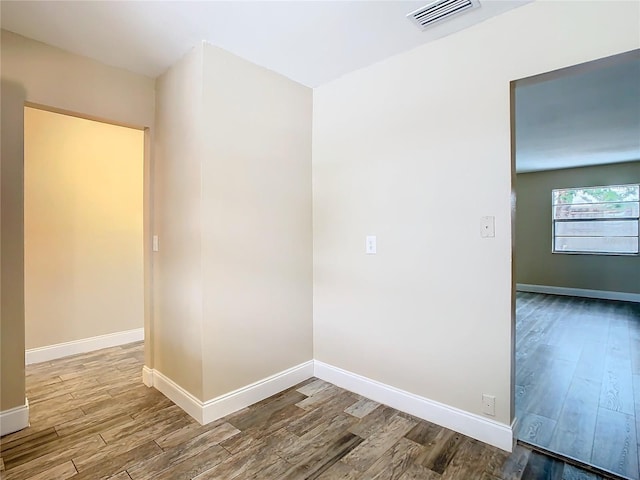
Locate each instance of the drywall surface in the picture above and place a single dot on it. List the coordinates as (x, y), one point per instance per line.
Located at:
(415, 150)
(12, 373)
(83, 228)
(233, 214)
(59, 79)
(536, 265)
(54, 78)
(178, 212)
(257, 229)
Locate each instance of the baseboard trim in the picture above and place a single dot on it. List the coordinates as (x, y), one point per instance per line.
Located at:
(483, 429)
(480, 428)
(514, 428)
(243, 397)
(14, 419)
(178, 395)
(579, 292)
(61, 350)
(147, 376)
(206, 412)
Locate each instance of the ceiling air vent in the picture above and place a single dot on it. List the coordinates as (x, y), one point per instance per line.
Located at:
(440, 10)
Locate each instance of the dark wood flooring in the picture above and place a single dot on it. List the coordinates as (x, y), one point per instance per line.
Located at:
(578, 378)
(91, 418)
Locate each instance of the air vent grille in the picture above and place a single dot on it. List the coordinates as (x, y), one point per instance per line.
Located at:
(440, 10)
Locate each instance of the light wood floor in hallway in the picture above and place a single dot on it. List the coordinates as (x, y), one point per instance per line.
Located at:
(91, 418)
(578, 378)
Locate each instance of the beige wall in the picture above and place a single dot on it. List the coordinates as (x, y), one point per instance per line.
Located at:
(12, 380)
(256, 230)
(59, 79)
(233, 176)
(536, 264)
(178, 219)
(83, 228)
(49, 76)
(415, 149)
(233, 202)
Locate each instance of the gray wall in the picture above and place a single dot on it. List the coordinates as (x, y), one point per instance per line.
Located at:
(535, 264)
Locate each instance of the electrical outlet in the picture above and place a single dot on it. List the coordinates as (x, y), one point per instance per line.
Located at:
(370, 245)
(489, 404)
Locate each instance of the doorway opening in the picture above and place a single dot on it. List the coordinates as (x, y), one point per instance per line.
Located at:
(84, 234)
(577, 315)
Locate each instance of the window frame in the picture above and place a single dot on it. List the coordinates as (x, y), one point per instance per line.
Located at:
(554, 221)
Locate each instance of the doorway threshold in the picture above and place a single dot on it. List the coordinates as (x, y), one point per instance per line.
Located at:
(604, 473)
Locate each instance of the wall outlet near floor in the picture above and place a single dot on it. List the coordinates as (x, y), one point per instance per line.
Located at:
(489, 404)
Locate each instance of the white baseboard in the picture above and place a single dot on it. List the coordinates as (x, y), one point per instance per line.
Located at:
(14, 419)
(147, 376)
(514, 428)
(245, 396)
(480, 428)
(175, 393)
(60, 350)
(206, 412)
(579, 292)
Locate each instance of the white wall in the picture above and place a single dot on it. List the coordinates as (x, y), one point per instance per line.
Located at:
(178, 223)
(233, 214)
(415, 149)
(257, 229)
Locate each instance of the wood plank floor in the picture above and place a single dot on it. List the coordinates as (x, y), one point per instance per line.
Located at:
(578, 378)
(91, 418)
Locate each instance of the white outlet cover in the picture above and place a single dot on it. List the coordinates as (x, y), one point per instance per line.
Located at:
(489, 404)
(371, 245)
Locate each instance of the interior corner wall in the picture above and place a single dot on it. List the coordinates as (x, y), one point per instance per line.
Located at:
(416, 149)
(178, 220)
(82, 228)
(233, 215)
(257, 229)
(51, 77)
(536, 265)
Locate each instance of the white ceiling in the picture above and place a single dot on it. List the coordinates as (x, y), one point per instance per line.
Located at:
(579, 119)
(311, 42)
(587, 118)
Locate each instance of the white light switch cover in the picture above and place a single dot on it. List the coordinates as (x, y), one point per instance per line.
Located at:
(488, 227)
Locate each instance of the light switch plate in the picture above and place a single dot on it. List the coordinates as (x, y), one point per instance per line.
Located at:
(488, 227)
(155, 243)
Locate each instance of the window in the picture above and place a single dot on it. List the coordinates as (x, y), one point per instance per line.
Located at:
(596, 220)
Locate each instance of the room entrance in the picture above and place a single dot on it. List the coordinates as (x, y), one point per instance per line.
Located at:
(83, 230)
(577, 347)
